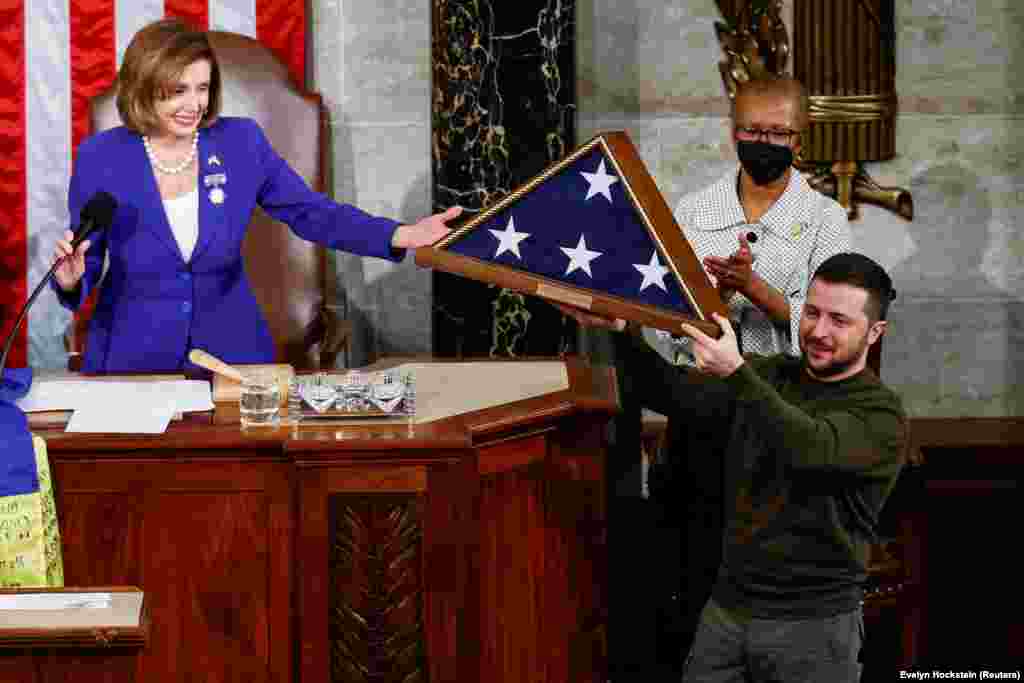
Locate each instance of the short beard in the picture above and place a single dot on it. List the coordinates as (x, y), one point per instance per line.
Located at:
(836, 367)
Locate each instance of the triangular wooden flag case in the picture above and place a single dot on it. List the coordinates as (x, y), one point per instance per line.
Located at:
(590, 231)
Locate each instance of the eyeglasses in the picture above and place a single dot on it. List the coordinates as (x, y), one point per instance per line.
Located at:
(774, 136)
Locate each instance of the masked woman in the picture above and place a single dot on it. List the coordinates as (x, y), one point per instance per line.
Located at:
(762, 230)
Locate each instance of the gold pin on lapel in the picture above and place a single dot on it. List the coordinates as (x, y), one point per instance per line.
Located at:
(796, 230)
(215, 181)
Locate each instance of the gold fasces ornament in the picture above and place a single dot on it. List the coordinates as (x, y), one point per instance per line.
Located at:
(849, 184)
(756, 44)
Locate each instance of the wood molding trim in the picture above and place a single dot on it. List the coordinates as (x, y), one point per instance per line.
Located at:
(928, 432)
(961, 432)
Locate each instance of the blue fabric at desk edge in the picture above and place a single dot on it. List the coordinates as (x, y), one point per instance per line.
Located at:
(17, 455)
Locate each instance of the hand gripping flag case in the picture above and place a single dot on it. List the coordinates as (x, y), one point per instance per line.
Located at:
(591, 231)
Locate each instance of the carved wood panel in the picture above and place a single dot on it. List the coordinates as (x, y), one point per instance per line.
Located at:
(376, 625)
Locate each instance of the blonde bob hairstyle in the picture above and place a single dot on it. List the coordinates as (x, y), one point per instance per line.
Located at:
(153, 63)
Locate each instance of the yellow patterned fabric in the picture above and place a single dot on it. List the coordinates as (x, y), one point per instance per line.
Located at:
(30, 552)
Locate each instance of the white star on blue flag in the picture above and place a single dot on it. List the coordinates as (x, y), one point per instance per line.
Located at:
(580, 257)
(509, 239)
(600, 182)
(653, 272)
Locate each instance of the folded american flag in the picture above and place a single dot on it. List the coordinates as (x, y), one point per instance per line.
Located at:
(591, 231)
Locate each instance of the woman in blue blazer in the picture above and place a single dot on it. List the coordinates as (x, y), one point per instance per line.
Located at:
(186, 182)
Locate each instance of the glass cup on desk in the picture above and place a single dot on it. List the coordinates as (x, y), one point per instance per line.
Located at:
(260, 401)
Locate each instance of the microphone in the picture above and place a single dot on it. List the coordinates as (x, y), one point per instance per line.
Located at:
(97, 214)
(751, 236)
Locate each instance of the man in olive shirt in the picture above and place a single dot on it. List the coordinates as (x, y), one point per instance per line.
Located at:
(813, 448)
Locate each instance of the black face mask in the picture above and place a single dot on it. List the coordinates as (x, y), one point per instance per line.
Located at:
(764, 162)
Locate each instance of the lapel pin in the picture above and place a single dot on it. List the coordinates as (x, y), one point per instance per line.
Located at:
(796, 230)
(214, 182)
(214, 160)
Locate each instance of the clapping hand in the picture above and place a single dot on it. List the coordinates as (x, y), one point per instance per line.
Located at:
(71, 266)
(719, 357)
(425, 231)
(735, 273)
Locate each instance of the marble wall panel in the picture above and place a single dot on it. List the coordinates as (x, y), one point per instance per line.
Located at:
(961, 57)
(387, 61)
(683, 153)
(637, 56)
(372, 65)
(953, 356)
(388, 303)
(503, 110)
(955, 344)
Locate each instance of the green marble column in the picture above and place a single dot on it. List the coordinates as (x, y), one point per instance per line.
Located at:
(503, 110)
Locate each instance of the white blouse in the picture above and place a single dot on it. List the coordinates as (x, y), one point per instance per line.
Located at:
(183, 216)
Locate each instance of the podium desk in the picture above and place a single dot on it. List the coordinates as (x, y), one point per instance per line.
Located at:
(52, 639)
(465, 549)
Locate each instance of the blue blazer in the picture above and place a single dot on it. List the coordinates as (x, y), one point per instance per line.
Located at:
(153, 307)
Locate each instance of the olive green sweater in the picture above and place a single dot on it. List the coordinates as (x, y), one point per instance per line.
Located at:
(809, 465)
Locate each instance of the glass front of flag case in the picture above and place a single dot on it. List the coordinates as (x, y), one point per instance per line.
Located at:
(591, 231)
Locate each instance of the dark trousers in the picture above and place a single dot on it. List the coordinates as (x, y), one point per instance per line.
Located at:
(733, 649)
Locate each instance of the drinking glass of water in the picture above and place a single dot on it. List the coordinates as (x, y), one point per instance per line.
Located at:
(260, 402)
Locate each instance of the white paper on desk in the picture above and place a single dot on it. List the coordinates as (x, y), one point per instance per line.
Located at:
(126, 418)
(188, 395)
(50, 601)
(117, 406)
(73, 394)
(55, 395)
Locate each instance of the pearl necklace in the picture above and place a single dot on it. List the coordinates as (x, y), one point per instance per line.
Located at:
(172, 170)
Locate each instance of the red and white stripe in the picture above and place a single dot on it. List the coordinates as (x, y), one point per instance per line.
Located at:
(54, 56)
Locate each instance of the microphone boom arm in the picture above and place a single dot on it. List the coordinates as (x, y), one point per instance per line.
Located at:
(97, 214)
(21, 316)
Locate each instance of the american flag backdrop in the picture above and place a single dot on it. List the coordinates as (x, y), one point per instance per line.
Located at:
(54, 56)
(579, 227)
